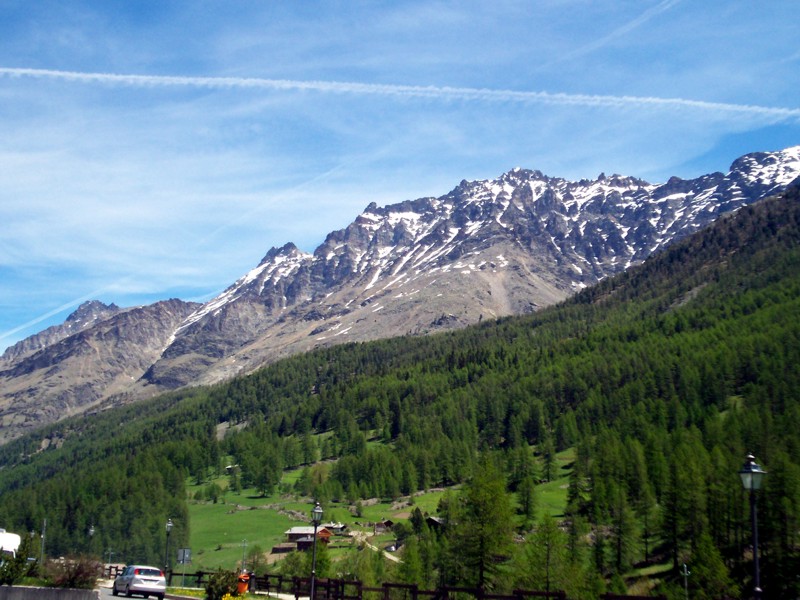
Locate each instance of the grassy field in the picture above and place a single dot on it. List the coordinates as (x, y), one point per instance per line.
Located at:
(551, 497)
(221, 532)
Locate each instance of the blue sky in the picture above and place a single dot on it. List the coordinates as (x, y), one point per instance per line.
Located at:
(158, 149)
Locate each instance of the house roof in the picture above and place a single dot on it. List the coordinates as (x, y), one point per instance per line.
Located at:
(302, 530)
(307, 530)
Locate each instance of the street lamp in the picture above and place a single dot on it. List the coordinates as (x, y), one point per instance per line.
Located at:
(316, 518)
(752, 475)
(166, 551)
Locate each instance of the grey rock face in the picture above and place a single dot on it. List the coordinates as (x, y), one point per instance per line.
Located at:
(109, 350)
(484, 250)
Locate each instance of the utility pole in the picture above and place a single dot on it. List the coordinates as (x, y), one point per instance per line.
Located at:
(44, 534)
(686, 572)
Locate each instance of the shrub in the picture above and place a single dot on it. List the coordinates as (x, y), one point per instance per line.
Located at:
(220, 584)
(79, 572)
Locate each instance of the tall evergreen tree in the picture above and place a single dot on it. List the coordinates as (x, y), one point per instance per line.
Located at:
(484, 533)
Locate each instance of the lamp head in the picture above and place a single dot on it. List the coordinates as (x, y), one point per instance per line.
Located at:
(169, 525)
(752, 474)
(316, 514)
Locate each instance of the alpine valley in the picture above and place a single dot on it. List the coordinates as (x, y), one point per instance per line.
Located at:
(486, 249)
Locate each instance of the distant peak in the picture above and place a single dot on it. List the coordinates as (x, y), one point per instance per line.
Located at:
(787, 154)
(91, 309)
(518, 173)
(288, 249)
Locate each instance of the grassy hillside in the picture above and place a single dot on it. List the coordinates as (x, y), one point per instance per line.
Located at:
(656, 382)
(239, 523)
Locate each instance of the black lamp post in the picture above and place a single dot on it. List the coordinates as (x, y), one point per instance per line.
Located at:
(91, 537)
(316, 518)
(752, 475)
(166, 551)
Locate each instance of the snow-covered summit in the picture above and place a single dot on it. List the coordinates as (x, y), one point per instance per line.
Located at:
(486, 248)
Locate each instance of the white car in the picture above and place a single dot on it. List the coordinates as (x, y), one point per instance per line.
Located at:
(140, 579)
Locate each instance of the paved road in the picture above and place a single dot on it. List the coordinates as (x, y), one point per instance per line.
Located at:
(105, 590)
(105, 593)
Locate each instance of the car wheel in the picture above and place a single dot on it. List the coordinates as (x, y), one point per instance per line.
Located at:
(160, 596)
(114, 591)
(127, 592)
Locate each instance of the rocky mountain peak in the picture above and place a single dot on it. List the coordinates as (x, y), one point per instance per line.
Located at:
(486, 249)
(92, 358)
(86, 315)
(539, 232)
(91, 311)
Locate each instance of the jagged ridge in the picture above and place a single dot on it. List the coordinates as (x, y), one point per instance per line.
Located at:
(486, 249)
(531, 239)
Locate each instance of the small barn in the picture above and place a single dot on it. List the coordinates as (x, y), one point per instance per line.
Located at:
(383, 526)
(335, 528)
(435, 523)
(303, 537)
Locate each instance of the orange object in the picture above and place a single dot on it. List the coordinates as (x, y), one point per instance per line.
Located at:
(244, 583)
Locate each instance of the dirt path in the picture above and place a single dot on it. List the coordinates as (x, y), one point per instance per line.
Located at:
(361, 538)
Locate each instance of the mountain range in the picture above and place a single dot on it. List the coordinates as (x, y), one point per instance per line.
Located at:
(486, 249)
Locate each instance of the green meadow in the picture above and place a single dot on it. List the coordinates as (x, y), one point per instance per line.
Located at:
(222, 532)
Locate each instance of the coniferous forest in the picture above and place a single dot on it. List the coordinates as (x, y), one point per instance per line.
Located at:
(661, 380)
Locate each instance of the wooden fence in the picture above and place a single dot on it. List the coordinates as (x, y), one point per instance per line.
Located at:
(338, 589)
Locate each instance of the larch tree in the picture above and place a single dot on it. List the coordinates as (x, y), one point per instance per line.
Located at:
(483, 535)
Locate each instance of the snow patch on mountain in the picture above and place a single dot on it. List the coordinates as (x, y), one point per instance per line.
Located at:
(498, 242)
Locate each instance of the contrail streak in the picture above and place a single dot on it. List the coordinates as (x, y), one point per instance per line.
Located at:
(55, 311)
(619, 32)
(410, 91)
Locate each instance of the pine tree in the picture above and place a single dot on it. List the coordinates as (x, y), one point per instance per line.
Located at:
(710, 578)
(484, 531)
(548, 451)
(411, 569)
(623, 531)
(527, 500)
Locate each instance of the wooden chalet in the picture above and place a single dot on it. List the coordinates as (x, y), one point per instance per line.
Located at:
(303, 537)
(383, 526)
